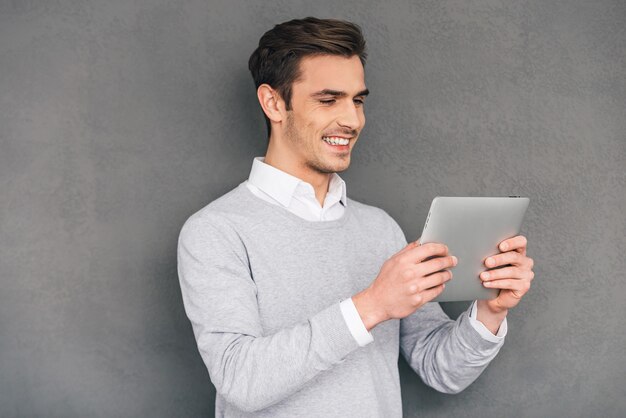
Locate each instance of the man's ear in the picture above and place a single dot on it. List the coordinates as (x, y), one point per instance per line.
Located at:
(271, 102)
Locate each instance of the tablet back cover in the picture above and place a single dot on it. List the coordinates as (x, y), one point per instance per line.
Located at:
(472, 228)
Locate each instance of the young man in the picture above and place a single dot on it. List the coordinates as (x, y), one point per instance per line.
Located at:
(301, 298)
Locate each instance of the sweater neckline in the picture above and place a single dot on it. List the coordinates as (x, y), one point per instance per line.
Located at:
(335, 223)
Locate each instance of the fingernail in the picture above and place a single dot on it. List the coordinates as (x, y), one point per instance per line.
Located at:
(505, 246)
(454, 260)
(490, 261)
(485, 275)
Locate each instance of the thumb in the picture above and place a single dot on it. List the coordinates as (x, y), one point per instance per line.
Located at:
(410, 245)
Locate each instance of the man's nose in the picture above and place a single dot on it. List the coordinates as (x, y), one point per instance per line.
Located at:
(350, 116)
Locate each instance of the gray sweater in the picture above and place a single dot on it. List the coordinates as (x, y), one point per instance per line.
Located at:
(262, 286)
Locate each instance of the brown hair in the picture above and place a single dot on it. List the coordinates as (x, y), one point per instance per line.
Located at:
(276, 59)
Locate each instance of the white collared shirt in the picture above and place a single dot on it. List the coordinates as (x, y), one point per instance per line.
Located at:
(278, 187)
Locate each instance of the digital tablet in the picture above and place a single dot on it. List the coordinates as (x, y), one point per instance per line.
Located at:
(472, 228)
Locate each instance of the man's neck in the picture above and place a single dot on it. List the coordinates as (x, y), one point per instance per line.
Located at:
(285, 162)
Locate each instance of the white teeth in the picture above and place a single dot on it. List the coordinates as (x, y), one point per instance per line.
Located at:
(335, 140)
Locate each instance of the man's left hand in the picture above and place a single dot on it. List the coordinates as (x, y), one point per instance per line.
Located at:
(513, 279)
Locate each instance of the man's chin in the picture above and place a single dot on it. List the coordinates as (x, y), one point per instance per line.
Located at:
(333, 168)
(342, 168)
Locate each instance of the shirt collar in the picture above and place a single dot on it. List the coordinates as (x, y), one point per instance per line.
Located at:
(281, 185)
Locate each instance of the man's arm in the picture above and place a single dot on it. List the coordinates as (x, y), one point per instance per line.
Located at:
(249, 369)
(492, 320)
(448, 355)
(489, 334)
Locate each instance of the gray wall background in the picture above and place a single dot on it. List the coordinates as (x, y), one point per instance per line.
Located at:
(120, 119)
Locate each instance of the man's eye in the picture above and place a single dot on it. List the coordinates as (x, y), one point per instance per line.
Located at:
(357, 101)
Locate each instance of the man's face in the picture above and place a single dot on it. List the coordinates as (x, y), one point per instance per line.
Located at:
(327, 106)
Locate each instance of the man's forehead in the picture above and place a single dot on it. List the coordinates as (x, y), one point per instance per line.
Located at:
(330, 72)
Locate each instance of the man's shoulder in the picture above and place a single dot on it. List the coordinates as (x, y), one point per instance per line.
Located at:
(369, 211)
(221, 212)
(377, 219)
(228, 203)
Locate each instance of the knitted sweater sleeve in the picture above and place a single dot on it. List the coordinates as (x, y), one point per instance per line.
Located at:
(447, 354)
(249, 369)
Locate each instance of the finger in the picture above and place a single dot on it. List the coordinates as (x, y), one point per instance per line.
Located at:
(432, 293)
(409, 246)
(517, 242)
(502, 259)
(421, 252)
(512, 272)
(436, 264)
(520, 286)
(435, 279)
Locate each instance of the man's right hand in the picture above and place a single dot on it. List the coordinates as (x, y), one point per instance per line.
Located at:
(406, 281)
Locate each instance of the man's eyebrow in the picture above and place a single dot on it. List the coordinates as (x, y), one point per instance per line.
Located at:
(337, 93)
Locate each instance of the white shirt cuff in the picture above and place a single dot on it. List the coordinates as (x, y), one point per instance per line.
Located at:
(354, 322)
(483, 330)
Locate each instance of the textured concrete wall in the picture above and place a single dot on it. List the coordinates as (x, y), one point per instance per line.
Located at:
(120, 119)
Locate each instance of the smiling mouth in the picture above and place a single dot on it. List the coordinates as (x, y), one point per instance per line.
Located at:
(336, 140)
